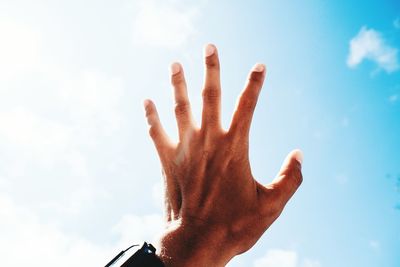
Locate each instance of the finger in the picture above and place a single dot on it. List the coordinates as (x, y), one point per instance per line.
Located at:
(289, 177)
(182, 106)
(247, 101)
(156, 131)
(212, 89)
(172, 197)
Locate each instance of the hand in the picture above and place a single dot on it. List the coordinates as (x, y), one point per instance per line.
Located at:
(215, 209)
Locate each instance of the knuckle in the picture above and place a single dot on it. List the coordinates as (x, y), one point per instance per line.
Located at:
(247, 103)
(212, 63)
(296, 175)
(273, 210)
(275, 204)
(153, 132)
(181, 108)
(211, 95)
(230, 150)
(240, 140)
(276, 210)
(178, 79)
(149, 110)
(256, 77)
(212, 119)
(239, 135)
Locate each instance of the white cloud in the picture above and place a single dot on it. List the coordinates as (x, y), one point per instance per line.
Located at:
(51, 133)
(132, 228)
(164, 24)
(92, 101)
(284, 258)
(52, 115)
(311, 263)
(53, 123)
(85, 98)
(369, 44)
(34, 137)
(374, 245)
(393, 98)
(27, 241)
(19, 48)
(277, 257)
(157, 193)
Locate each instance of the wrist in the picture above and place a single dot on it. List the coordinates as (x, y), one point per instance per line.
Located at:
(193, 245)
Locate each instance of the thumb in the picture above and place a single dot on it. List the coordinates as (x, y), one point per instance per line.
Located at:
(289, 177)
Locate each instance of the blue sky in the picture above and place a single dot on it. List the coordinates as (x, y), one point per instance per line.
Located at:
(80, 179)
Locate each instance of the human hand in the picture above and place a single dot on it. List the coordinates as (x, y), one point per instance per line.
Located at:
(215, 209)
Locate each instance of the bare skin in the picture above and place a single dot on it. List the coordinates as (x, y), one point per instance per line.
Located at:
(215, 209)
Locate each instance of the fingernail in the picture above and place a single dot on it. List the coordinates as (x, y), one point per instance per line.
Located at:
(259, 67)
(299, 156)
(209, 50)
(146, 103)
(174, 68)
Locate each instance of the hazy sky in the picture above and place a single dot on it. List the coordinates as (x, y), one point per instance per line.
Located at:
(80, 179)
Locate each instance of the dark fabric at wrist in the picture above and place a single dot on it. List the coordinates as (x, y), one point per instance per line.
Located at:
(144, 257)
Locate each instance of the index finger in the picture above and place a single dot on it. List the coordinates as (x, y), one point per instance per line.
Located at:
(246, 105)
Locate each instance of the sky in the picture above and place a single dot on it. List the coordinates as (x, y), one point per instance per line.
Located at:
(80, 179)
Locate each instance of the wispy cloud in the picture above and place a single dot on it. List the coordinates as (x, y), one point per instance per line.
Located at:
(374, 245)
(341, 178)
(42, 244)
(369, 44)
(133, 228)
(283, 258)
(28, 139)
(52, 131)
(34, 137)
(49, 121)
(277, 257)
(45, 245)
(393, 98)
(158, 195)
(92, 100)
(163, 24)
(311, 263)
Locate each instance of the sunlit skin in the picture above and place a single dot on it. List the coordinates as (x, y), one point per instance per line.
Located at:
(215, 208)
